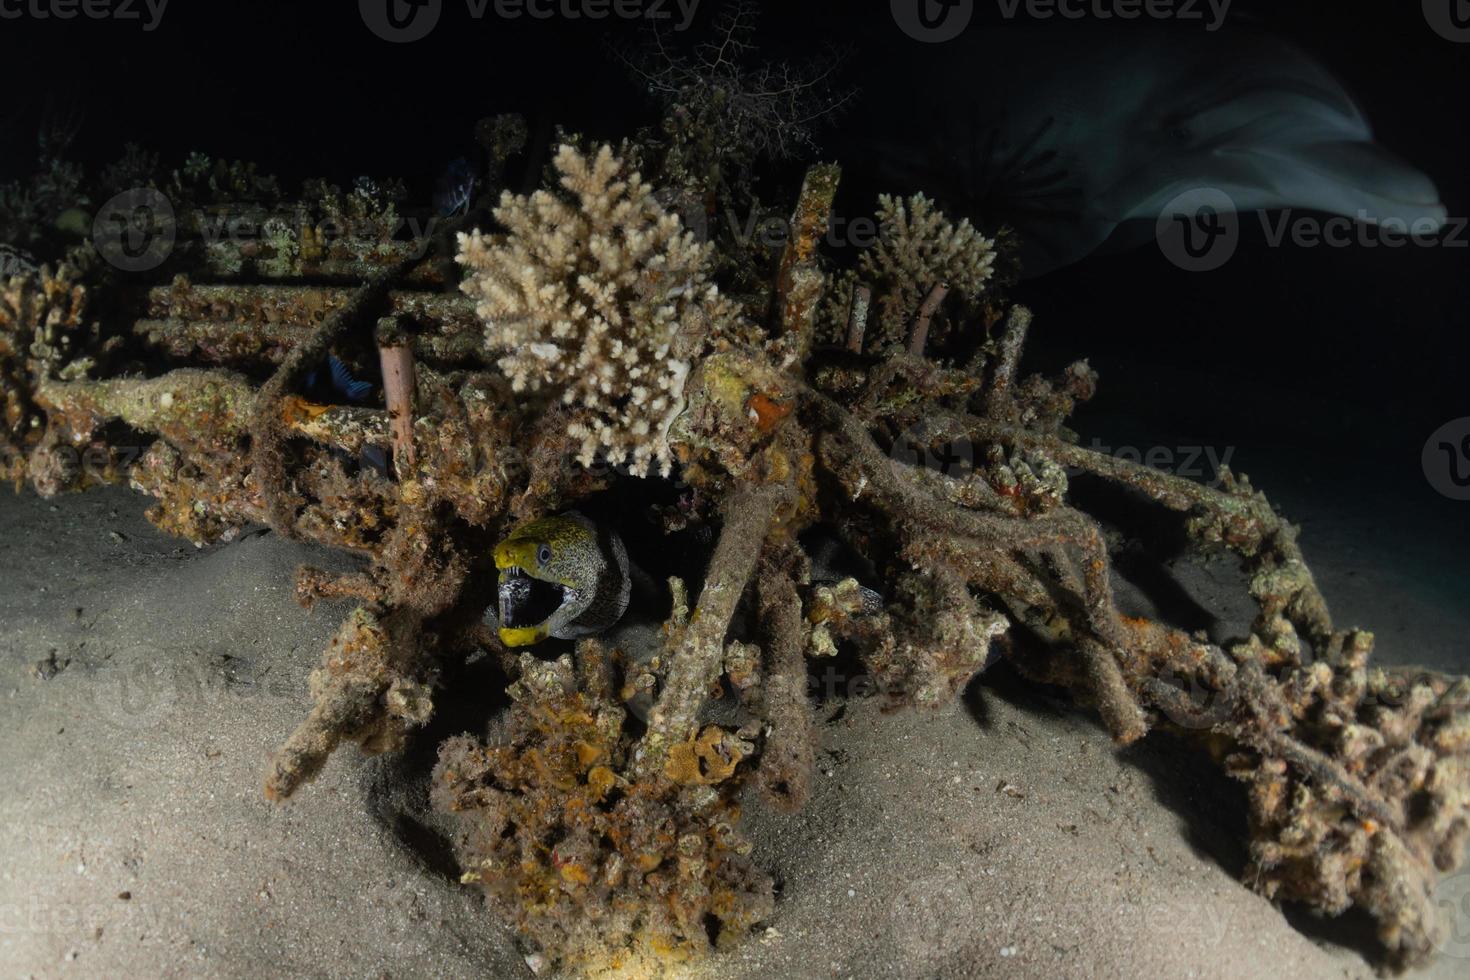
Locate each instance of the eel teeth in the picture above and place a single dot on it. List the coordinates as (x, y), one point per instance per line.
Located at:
(527, 600)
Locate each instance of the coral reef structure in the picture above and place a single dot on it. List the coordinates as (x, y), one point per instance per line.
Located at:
(918, 248)
(595, 336)
(602, 298)
(607, 870)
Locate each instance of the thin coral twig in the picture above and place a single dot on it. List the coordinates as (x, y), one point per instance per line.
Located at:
(857, 317)
(1012, 341)
(398, 391)
(919, 333)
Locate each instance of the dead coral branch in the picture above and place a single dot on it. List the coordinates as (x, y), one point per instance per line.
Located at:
(698, 647)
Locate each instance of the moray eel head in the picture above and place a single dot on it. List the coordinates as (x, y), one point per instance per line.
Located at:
(560, 577)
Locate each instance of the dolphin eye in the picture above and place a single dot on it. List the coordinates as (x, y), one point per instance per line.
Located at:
(543, 554)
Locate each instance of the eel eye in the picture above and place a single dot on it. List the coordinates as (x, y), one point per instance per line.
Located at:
(543, 554)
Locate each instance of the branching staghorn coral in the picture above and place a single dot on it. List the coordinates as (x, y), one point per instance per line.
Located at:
(45, 333)
(601, 298)
(918, 249)
(47, 206)
(609, 844)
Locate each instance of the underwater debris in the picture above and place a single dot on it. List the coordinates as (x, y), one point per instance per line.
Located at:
(258, 325)
(600, 869)
(47, 208)
(599, 335)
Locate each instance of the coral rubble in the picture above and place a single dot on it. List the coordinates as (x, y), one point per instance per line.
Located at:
(606, 869)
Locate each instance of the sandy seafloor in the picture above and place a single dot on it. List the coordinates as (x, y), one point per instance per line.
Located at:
(144, 683)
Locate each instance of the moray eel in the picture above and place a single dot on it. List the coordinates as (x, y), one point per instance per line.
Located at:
(562, 577)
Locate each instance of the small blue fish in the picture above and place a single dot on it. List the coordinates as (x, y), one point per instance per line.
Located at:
(342, 381)
(456, 188)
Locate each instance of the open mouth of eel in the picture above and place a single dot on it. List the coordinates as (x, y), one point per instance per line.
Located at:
(527, 602)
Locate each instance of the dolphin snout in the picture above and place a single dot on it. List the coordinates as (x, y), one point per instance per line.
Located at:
(1355, 178)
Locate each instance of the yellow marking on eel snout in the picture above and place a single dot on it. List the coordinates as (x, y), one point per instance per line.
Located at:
(522, 636)
(516, 552)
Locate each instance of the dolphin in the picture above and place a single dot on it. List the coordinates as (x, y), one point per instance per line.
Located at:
(1083, 133)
